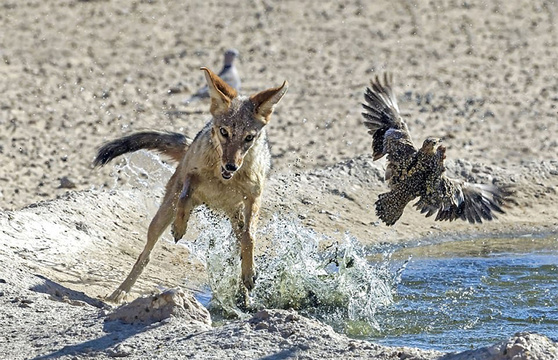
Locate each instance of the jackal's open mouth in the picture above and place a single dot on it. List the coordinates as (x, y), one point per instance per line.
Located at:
(226, 174)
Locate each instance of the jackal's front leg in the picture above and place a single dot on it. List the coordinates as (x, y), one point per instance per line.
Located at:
(245, 233)
(184, 207)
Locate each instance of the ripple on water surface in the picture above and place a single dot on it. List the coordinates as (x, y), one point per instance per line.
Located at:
(470, 293)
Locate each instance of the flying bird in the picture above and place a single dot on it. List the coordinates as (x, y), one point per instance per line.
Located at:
(420, 173)
(228, 73)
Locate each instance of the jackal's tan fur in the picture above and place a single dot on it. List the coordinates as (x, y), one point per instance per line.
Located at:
(224, 167)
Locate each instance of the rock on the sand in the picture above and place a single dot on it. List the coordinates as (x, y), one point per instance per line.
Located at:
(522, 346)
(154, 308)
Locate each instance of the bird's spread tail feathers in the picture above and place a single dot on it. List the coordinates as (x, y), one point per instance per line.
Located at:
(390, 205)
(170, 144)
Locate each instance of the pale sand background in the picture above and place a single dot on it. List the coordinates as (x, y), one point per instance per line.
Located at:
(77, 73)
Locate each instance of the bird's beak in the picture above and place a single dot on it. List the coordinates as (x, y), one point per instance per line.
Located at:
(442, 148)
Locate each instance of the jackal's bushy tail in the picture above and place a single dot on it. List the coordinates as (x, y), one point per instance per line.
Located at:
(173, 145)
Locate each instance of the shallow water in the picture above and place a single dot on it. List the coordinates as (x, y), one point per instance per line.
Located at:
(470, 293)
(449, 296)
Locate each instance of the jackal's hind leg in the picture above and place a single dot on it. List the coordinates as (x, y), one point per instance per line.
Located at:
(159, 223)
(184, 207)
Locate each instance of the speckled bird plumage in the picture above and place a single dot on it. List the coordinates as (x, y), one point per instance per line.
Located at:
(420, 173)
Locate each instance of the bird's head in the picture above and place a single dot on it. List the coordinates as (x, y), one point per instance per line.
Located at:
(430, 145)
(230, 55)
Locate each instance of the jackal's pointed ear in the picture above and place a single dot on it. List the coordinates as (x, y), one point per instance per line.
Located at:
(265, 101)
(220, 92)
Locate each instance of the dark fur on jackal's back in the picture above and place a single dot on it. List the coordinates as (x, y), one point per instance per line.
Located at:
(171, 144)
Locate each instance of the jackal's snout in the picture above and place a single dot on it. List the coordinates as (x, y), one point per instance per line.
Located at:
(228, 170)
(231, 167)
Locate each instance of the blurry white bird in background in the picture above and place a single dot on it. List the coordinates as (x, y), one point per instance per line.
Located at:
(228, 73)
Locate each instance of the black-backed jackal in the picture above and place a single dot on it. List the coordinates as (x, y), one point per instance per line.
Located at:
(224, 167)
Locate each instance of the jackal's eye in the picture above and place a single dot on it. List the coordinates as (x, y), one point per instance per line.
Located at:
(224, 132)
(249, 138)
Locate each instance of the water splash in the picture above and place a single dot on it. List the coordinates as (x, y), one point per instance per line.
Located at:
(299, 269)
(142, 176)
(216, 248)
(143, 169)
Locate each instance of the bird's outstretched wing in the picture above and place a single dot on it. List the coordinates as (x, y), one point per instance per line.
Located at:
(455, 199)
(390, 134)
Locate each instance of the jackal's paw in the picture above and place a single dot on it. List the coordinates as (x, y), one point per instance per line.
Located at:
(117, 297)
(249, 279)
(177, 231)
(242, 299)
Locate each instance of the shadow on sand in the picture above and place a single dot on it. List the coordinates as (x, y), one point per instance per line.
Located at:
(116, 331)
